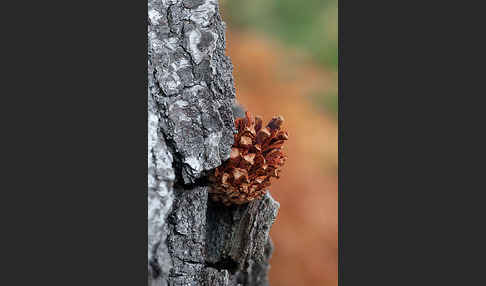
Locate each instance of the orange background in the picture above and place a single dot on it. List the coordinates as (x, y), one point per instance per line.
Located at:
(273, 80)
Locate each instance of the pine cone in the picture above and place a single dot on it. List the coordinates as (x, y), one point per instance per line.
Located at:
(256, 157)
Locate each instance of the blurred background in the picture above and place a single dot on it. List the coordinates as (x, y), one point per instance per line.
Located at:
(285, 61)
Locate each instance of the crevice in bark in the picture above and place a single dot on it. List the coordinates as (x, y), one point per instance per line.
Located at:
(224, 264)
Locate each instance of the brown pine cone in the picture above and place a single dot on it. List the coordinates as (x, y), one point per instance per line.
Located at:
(255, 158)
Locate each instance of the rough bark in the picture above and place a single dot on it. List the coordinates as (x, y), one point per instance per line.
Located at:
(191, 111)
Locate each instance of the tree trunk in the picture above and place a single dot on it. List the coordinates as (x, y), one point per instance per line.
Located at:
(191, 111)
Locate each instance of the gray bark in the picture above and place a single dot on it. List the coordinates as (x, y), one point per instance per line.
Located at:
(191, 111)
